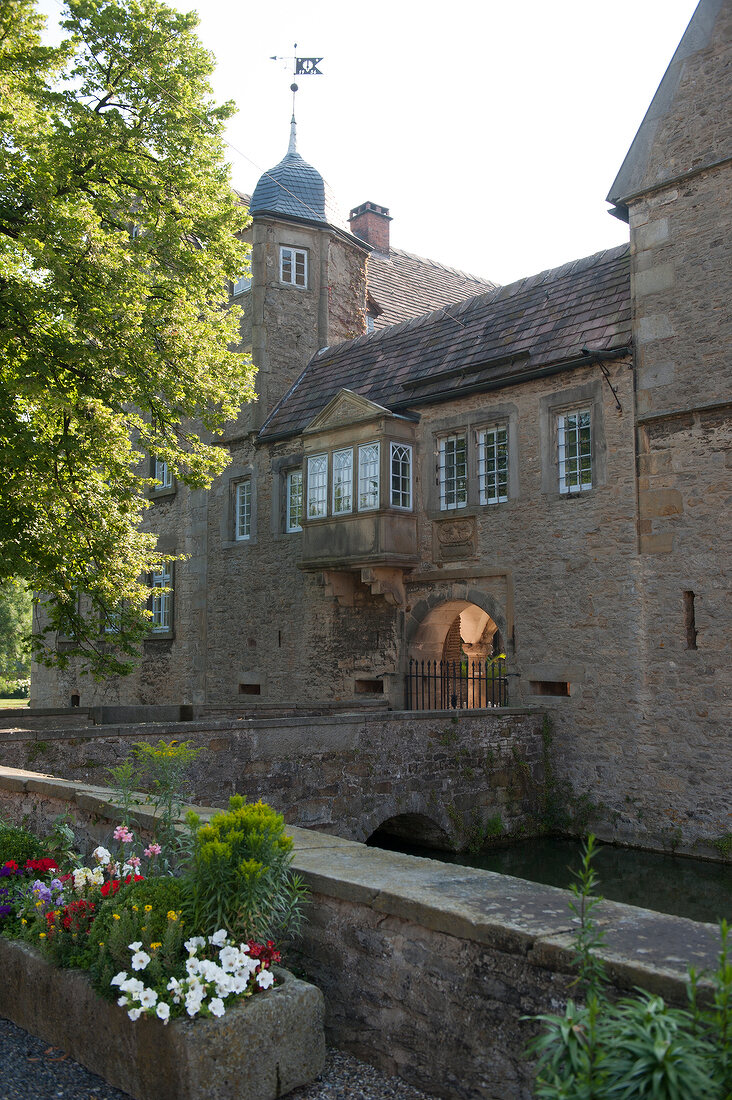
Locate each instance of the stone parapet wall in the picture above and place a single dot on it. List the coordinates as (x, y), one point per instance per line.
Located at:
(346, 774)
(428, 970)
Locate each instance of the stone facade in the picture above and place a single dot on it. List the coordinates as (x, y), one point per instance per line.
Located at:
(607, 601)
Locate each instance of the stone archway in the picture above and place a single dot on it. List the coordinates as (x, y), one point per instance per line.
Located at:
(457, 625)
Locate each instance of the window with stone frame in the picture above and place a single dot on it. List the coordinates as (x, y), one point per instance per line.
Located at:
(243, 510)
(294, 266)
(492, 464)
(162, 474)
(161, 600)
(368, 476)
(401, 475)
(342, 503)
(317, 486)
(574, 450)
(242, 285)
(453, 471)
(293, 500)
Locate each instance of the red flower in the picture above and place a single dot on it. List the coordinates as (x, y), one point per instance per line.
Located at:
(11, 864)
(42, 865)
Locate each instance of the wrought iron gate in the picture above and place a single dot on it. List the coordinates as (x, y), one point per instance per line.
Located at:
(455, 685)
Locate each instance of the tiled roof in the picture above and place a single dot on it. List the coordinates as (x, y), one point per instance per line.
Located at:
(507, 333)
(406, 286)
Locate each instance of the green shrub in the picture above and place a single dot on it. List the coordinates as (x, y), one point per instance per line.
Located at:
(638, 1048)
(240, 878)
(18, 844)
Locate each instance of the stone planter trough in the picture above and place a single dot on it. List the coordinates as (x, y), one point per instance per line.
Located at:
(261, 1049)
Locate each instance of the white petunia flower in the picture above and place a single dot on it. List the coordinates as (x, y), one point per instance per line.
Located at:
(194, 943)
(101, 855)
(140, 960)
(163, 1012)
(133, 986)
(136, 945)
(231, 958)
(122, 1001)
(119, 978)
(216, 1007)
(265, 978)
(135, 1013)
(148, 998)
(219, 938)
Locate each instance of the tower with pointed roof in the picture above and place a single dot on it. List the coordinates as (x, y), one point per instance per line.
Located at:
(308, 284)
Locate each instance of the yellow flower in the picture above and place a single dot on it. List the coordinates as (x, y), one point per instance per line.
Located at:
(172, 915)
(101, 943)
(154, 945)
(39, 904)
(23, 920)
(116, 916)
(134, 907)
(41, 935)
(148, 908)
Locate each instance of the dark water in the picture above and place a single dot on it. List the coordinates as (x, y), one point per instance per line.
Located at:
(669, 884)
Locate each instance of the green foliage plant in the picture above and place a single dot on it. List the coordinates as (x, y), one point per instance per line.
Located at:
(119, 234)
(18, 844)
(637, 1048)
(240, 877)
(164, 768)
(149, 912)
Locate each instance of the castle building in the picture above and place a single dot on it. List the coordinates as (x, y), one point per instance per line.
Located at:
(441, 469)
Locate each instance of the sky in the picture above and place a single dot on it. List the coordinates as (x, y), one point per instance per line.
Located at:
(492, 131)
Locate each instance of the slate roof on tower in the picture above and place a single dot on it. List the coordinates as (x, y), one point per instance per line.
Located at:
(294, 189)
(507, 335)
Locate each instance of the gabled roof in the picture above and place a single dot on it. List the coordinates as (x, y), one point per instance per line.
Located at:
(679, 133)
(405, 286)
(506, 335)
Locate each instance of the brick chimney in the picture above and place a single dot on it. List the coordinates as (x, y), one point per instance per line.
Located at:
(371, 223)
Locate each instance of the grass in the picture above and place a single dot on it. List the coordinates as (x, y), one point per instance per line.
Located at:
(13, 703)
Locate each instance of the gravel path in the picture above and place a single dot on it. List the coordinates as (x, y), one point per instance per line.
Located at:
(31, 1070)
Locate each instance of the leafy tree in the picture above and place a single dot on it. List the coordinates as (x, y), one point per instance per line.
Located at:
(117, 239)
(15, 628)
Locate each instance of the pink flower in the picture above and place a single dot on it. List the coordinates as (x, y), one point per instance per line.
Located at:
(134, 861)
(153, 850)
(123, 833)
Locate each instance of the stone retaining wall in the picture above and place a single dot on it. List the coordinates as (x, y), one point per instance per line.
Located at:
(428, 970)
(344, 773)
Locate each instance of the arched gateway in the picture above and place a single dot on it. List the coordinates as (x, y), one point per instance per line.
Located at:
(456, 647)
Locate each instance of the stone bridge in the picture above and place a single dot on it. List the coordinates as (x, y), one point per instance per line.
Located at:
(448, 779)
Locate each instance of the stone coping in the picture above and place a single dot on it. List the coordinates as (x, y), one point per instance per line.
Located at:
(509, 914)
(234, 723)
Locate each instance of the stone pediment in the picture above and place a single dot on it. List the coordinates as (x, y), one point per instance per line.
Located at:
(346, 407)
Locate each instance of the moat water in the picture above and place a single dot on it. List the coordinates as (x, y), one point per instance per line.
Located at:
(679, 885)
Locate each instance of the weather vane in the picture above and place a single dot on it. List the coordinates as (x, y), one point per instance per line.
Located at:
(303, 66)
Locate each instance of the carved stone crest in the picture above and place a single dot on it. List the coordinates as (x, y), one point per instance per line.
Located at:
(455, 539)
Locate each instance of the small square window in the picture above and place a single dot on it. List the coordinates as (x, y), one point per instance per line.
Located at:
(243, 510)
(293, 508)
(242, 285)
(294, 266)
(574, 444)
